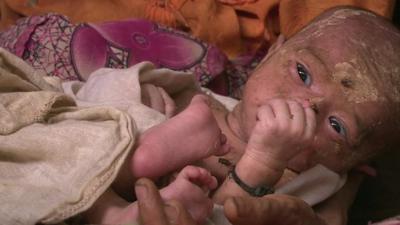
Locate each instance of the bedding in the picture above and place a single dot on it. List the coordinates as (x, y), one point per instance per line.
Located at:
(235, 29)
(46, 143)
(56, 47)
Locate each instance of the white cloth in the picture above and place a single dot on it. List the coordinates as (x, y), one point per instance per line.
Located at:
(120, 88)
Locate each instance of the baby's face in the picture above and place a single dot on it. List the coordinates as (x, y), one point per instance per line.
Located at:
(338, 86)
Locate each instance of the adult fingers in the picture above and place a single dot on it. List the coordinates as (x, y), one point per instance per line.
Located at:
(270, 210)
(178, 215)
(152, 209)
(239, 211)
(151, 206)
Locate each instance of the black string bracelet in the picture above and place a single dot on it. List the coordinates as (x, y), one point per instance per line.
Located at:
(253, 191)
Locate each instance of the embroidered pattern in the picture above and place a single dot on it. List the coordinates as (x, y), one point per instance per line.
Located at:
(56, 47)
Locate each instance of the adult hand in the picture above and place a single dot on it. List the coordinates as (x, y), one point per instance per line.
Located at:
(273, 209)
(154, 211)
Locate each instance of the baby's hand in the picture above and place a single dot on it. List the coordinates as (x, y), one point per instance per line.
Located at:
(283, 129)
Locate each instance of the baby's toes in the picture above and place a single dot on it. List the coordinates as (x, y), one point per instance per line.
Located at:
(206, 181)
(200, 177)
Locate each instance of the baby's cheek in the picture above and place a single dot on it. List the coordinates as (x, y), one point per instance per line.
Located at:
(334, 157)
(302, 161)
(321, 151)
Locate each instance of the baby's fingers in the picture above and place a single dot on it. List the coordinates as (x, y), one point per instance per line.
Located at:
(298, 117)
(265, 113)
(265, 118)
(311, 123)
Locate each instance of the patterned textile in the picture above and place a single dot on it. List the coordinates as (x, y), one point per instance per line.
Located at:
(55, 46)
(235, 28)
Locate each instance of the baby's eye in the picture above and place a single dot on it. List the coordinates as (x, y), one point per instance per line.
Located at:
(337, 125)
(303, 74)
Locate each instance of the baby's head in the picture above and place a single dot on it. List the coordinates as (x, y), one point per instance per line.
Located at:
(346, 63)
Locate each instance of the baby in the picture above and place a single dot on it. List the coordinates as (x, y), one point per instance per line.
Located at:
(329, 95)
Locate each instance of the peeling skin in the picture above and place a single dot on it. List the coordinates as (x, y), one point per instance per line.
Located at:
(338, 148)
(371, 68)
(366, 72)
(344, 13)
(337, 18)
(362, 89)
(357, 55)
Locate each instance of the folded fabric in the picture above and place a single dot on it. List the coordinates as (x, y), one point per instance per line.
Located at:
(56, 159)
(236, 29)
(121, 89)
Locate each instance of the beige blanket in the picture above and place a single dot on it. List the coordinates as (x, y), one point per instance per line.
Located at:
(121, 89)
(55, 158)
(57, 155)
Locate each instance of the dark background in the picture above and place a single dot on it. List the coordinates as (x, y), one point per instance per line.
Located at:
(396, 14)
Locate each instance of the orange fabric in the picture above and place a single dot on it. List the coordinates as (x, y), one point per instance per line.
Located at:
(234, 28)
(295, 14)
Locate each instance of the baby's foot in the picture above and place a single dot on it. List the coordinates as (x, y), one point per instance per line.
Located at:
(186, 138)
(191, 188)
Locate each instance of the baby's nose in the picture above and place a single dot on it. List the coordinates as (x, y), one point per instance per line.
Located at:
(313, 103)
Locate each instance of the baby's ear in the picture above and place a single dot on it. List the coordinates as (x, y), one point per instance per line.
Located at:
(366, 169)
(274, 47)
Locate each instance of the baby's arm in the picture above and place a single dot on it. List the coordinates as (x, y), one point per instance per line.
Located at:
(282, 129)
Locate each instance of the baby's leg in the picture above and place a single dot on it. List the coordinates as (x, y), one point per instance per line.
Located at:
(186, 138)
(190, 188)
